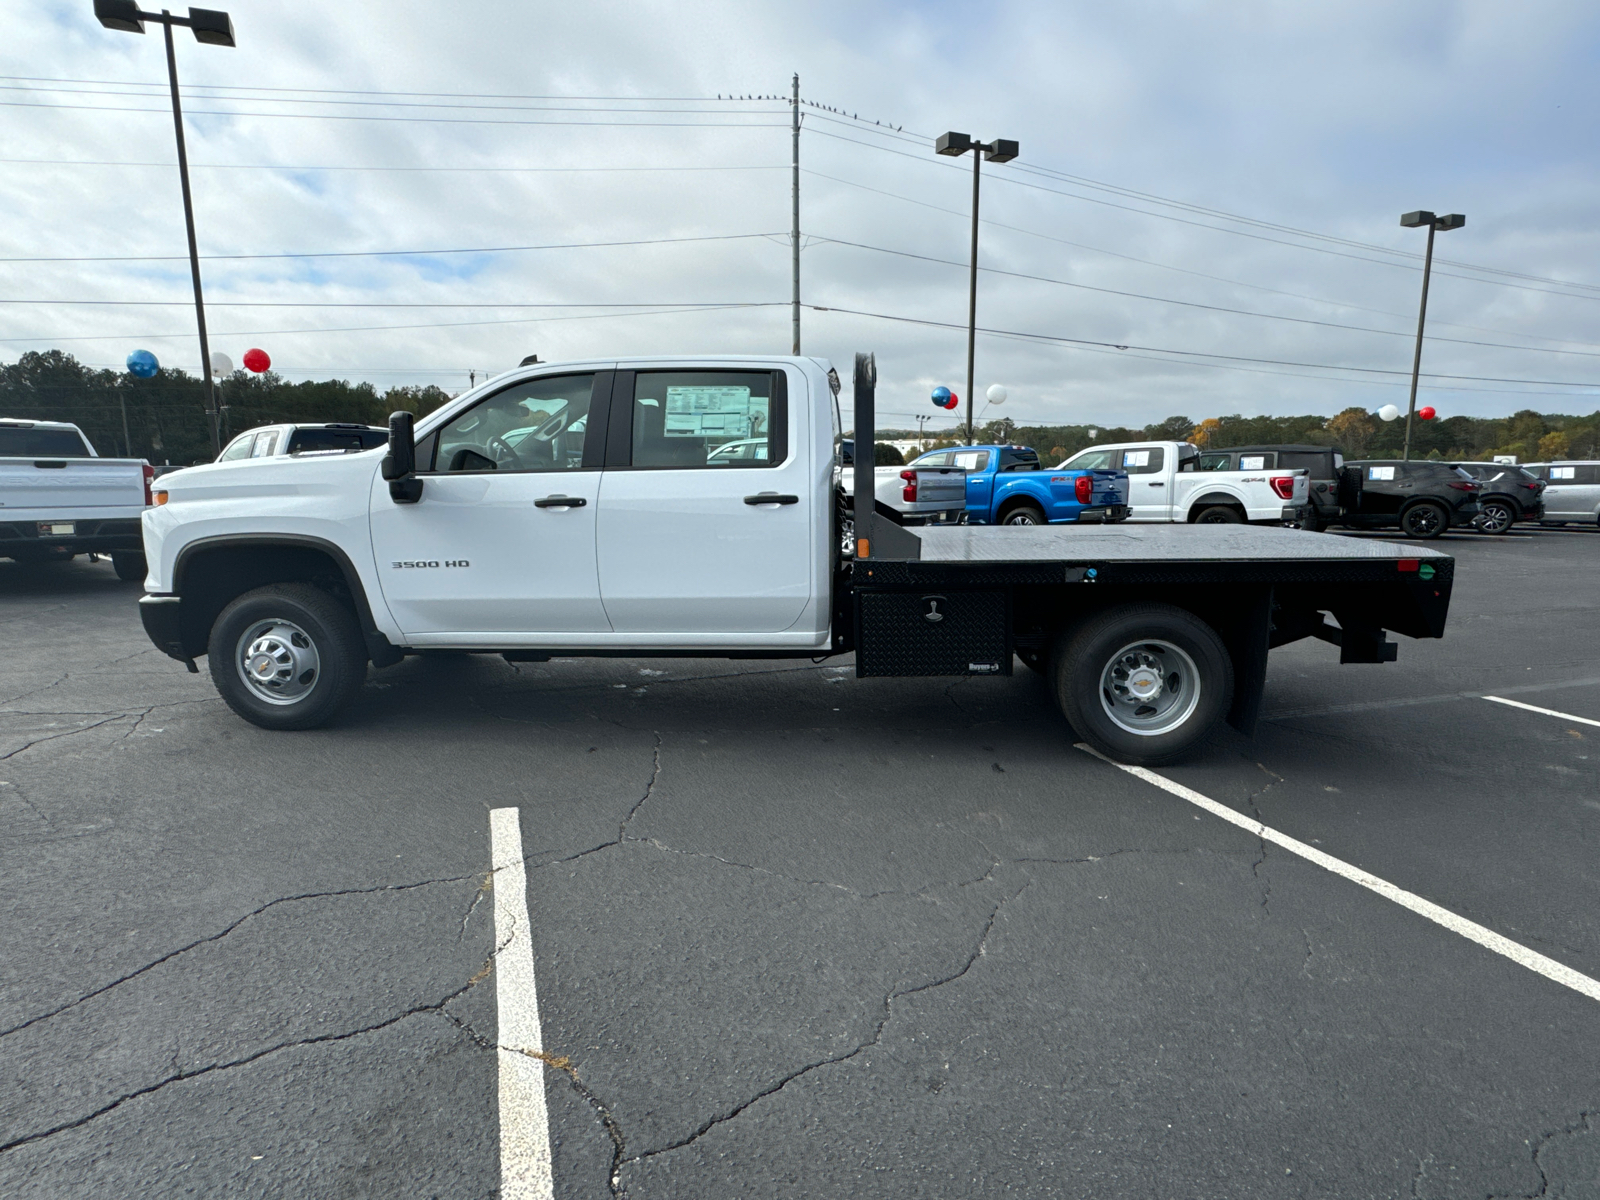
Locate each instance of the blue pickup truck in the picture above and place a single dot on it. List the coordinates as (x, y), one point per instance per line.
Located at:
(1006, 486)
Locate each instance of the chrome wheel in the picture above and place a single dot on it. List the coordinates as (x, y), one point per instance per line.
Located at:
(1149, 688)
(278, 661)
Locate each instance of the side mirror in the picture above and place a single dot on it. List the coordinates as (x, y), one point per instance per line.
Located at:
(400, 464)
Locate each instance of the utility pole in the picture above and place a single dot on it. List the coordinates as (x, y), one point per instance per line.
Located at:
(1412, 220)
(794, 228)
(127, 445)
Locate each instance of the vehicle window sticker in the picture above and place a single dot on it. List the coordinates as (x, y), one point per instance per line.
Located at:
(1380, 472)
(1563, 472)
(1136, 458)
(1252, 462)
(709, 412)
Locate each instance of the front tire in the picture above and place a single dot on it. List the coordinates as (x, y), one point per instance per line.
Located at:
(129, 565)
(1424, 521)
(287, 656)
(1142, 683)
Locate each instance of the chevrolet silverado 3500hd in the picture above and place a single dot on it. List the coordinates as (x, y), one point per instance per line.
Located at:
(581, 509)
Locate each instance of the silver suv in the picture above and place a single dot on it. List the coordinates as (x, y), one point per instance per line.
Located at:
(1573, 491)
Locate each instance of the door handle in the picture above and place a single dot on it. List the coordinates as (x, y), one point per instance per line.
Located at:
(560, 502)
(1157, 483)
(771, 498)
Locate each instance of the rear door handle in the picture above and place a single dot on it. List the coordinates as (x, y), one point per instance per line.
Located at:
(560, 502)
(771, 498)
(1157, 483)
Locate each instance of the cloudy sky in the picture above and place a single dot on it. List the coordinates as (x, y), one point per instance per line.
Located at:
(1203, 219)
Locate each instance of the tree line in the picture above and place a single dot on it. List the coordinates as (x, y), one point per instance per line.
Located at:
(163, 418)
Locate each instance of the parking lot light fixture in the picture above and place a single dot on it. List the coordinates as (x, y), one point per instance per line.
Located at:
(213, 28)
(1001, 150)
(1435, 224)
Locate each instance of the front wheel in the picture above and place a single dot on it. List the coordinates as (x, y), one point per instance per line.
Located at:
(1496, 517)
(1024, 514)
(1143, 683)
(287, 656)
(1425, 520)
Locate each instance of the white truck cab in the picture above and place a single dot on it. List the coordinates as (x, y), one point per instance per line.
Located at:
(1165, 483)
(626, 507)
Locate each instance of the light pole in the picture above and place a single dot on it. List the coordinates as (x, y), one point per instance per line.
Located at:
(1412, 220)
(214, 29)
(1000, 150)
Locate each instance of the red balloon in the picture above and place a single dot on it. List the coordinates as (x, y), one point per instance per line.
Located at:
(256, 360)
(953, 402)
(1427, 413)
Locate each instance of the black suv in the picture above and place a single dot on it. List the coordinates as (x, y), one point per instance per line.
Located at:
(1322, 463)
(1421, 499)
(1509, 494)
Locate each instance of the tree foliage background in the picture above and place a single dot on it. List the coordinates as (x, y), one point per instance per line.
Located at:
(166, 420)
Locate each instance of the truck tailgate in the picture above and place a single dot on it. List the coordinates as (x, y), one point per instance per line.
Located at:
(61, 485)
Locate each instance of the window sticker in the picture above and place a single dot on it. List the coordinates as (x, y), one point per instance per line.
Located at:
(1563, 472)
(1252, 462)
(1380, 472)
(722, 412)
(1136, 458)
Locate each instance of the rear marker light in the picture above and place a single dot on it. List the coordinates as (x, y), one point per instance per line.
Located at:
(149, 474)
(1083, 489)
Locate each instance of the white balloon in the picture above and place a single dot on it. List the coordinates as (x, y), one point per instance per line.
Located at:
(996, 394)
(221, 364)
(1389, 412)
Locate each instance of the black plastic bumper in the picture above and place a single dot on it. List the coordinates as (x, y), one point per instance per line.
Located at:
(1107, 513)
(162, 617)
(23, 538)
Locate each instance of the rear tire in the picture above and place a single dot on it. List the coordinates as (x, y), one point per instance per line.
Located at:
(1024, 514)
(129, 565)
(1219, 514)
(1424, 520)
(287, 656)
(1142, 683)
(1311, 523)
(1496, 517)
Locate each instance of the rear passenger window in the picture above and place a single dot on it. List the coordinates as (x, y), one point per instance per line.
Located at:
(1563, 474)
(970, 460)
(708, 419)
(1144, 461)
(1590, 474)
(1380, 474)
(1216, 462)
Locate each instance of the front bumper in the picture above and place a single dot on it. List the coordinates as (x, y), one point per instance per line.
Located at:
(163, 620)
(1103, 515)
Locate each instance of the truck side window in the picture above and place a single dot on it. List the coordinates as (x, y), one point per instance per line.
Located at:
(1146, 460)
(708, 419)
(1216, 462)
(264, 445)
(535, 425)
(1091, 460)
(238, 448)
(970, 460)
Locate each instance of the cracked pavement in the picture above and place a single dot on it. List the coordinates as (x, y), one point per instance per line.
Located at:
(796, 933)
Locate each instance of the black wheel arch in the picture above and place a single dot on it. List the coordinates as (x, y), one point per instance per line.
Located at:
(210, 572)
(1215, 500)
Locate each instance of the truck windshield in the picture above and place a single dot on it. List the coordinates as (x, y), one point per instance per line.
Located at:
(41, 443)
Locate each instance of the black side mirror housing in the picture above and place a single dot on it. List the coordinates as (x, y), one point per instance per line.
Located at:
(400, 464)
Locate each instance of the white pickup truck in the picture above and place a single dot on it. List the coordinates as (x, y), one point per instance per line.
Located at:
(58, 498)
(583, 509)
(1165, 484)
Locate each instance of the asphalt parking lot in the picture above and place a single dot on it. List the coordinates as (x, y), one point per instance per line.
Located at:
(799, 934)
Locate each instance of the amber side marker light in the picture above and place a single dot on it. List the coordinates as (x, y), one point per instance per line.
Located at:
(863, 548)
(158, 498)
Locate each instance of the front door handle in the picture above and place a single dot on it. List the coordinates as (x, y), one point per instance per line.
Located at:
(771, 498)
(560, 502)
(1157, 483)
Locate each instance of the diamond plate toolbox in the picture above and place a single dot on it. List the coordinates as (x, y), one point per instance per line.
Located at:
(933, 633)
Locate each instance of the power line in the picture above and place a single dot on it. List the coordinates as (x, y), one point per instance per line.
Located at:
(364, 92)
(410, 119)
(718, 237)
(83, 162)
(685, 304)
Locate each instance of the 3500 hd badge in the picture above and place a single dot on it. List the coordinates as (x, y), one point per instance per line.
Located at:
(449, 562)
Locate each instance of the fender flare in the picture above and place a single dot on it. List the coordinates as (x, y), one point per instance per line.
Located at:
(382, 651)
(1210, 499)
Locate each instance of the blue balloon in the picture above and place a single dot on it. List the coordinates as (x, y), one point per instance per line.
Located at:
(941, 397)
(143, 364)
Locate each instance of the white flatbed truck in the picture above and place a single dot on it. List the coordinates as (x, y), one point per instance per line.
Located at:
(574, 510)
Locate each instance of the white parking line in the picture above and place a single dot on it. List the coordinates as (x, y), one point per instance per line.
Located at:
(1549, 712)
(524, 1121)
(1471, 930)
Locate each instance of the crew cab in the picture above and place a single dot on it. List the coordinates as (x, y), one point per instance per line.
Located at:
(1166, 484)
(59, 499)
(614, 528)
(1006, 486)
